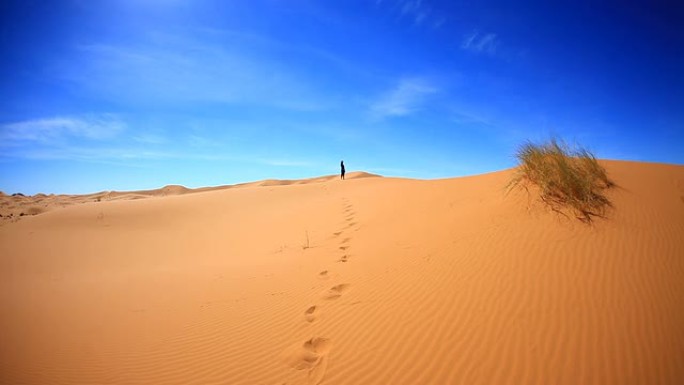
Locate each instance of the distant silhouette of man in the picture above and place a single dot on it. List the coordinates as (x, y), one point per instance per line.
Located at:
(342, 170)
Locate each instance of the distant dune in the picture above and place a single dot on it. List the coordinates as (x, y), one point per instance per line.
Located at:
(13, 207)
(365, 281)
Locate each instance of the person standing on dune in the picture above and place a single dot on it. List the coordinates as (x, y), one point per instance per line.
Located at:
(342, 171)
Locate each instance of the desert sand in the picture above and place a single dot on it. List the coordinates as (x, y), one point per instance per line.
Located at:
(370, 280)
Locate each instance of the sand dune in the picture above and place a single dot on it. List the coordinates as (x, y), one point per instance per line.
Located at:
(14, 207)
(364, 281)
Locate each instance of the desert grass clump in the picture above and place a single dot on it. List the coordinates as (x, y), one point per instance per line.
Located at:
(567, 178)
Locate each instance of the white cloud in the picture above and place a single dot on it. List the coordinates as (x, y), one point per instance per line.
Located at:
(219, 68)
(404, 99)
(480, 43)
(99, 139)
(417, 10)
(91, 137)
(438, 22)
(95, 127)
(149, 138)
(82, 153)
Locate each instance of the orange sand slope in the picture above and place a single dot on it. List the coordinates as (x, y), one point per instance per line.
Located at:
(15, 206)
(363, 281)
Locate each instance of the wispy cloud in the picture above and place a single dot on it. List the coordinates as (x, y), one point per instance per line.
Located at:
(98, 139)
(207, 68)
(150, 138)
(90, 137)
(481, 42)
(88, 154)
(315, 54)
(417, 10)
(469, 118)
(406, 98)
(47, 130)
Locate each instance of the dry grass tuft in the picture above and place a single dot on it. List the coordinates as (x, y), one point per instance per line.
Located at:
(568, 178)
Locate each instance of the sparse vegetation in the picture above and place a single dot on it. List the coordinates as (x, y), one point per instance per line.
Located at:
(306, 246)
(33, 210)
(567, 178)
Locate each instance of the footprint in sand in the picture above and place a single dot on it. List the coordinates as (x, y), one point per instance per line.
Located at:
(351, 224)
(336, 291)
(311, 356)
(311, 314)
(337, 233)
(323, 274)
(344, 258)
(345, 240)
(343, 247)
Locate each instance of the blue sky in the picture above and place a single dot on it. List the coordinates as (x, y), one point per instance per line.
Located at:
(132, 94)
